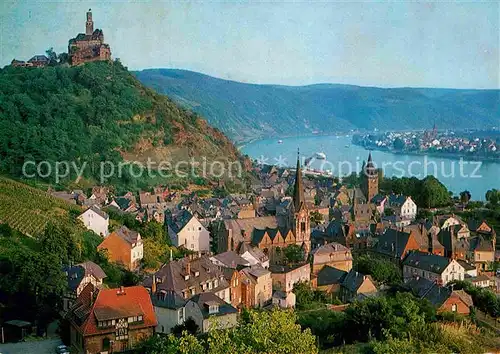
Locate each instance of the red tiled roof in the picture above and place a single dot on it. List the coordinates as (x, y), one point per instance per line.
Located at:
(112, 304)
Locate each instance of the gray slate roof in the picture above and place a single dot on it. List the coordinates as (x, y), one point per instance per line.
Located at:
(168, 299)
(392, 243)
(209, 298)
(128, 235)
(179, 221)
(427, 261)
(330, 275)
(353, 280)
(231, 259)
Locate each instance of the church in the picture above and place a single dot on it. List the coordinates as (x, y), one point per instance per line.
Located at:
(271, 233)
(88, 46)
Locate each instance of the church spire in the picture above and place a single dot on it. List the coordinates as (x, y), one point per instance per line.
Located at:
(298, 188)
(370, 167)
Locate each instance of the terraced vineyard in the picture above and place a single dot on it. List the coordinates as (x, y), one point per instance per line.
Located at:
(28, 210)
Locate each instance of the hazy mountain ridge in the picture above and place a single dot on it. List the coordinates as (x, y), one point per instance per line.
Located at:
(245, 111)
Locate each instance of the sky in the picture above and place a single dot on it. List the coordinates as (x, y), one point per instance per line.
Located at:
(387, 44)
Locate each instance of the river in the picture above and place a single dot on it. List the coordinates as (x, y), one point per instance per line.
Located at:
(344, 157)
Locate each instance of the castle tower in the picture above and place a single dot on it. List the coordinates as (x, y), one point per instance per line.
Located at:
(301, 225)
(370, 179)
(89, 25)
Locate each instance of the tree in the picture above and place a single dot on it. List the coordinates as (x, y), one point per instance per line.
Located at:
(433, 193)
(63, 58)
(316, 217)
(32, 283)
(273, 331)
(465, 197)
(382, 271)
(60, 242)
(185, 344)
(293, 253)
(52, 56)
(493, 196)
(399, 144)
(188, 326)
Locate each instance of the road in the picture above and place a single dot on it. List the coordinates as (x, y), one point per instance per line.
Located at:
(47, 346)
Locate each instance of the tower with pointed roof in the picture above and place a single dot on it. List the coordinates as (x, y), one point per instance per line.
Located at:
(370, 179)
(301, 224)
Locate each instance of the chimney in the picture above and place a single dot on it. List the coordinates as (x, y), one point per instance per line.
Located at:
(187, 267)
(171, 256)
(153, 285)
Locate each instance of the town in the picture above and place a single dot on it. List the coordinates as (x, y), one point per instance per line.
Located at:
(291, 234)
(480, 144)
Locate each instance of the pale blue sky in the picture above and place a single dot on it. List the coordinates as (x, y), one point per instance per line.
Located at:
(444, 44)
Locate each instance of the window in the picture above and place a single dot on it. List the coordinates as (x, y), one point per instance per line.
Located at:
(199, 229)
(213, 309)
(180, 315)
(454, 308)
(303, 227)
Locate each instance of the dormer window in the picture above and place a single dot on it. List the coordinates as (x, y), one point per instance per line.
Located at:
(186, 277)
(213, 309)
(196, 273)
(212, 306)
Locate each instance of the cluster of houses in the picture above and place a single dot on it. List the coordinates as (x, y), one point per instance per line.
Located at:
(242, 261)
(432, 141)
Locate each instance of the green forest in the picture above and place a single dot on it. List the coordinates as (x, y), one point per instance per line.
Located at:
(92, 113)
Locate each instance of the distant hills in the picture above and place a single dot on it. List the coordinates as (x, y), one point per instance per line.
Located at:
(248, 111)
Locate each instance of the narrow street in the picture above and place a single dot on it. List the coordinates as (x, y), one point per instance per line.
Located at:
(47, 346)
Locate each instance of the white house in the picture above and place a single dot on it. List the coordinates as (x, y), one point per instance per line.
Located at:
(253, 255)
(186, 230)
(433, 267)
(209, 311)
(169, 309)
(403, 206)
(96, 220)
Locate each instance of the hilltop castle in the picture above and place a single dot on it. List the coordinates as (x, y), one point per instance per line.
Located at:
(89, 46)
